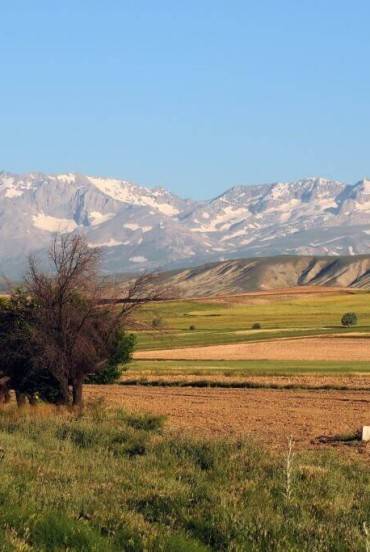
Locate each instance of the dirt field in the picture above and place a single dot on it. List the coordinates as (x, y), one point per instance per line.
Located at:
(315, 348)
(268, 416)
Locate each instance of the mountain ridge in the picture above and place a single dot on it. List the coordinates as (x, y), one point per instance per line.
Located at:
(142, 228)
(239, 276)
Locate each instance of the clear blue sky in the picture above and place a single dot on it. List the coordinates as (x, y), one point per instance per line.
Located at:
(194, 95)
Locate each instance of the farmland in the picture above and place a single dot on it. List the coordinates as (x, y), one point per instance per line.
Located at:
(217, 378)
(188, 451)
(300, 332)
(229, 319)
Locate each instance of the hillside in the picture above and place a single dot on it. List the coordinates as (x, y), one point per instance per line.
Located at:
(140, 228)
(244, 275)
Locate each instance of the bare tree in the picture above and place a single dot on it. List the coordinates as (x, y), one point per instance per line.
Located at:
(75, 331)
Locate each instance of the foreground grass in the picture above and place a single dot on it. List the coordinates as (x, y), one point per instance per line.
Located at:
(109, 481)
(245, 367)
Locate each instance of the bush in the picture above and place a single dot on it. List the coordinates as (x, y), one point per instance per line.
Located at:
(116, 366)
(349, 319)
(157, 323)
(192, 327)
(256, 326)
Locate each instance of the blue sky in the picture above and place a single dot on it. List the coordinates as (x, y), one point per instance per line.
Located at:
(196, 96)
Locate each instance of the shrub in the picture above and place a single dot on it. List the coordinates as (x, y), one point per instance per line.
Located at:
(349, 319)
(191, 327)
(157, 323)
(256, 326)
(116, 365)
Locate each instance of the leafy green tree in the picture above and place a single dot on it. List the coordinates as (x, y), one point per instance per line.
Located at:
(349, 319)
(117, 364)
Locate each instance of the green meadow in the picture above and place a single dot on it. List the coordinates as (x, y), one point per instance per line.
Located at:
(226, 322)
(111, 481)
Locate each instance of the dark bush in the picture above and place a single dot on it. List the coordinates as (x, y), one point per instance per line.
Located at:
(349, 319)
(256, 326)
(191, 327)
(146, 422)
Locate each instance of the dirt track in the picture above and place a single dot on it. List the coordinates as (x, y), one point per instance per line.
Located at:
(269, 416)
(318, 348)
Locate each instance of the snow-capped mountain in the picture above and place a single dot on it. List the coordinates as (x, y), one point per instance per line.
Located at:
(142, 228)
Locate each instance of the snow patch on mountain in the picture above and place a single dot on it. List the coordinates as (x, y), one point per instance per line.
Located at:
(53, 224)
(13, 192)
(131, 226)
(111, 243)
(98, 218)
(125, 192)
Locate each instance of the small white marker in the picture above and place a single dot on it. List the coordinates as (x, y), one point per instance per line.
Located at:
(366, 433)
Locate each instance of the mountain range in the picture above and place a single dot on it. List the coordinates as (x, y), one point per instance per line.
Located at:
(149, 228)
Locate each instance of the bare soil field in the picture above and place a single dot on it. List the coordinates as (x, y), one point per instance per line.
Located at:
(308, 348)
(268, 416)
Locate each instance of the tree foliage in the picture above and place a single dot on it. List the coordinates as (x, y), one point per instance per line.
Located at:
(117, 363)
(349, 319)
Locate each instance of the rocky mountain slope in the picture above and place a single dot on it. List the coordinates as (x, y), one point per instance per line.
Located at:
(140, 228)
(244, 275)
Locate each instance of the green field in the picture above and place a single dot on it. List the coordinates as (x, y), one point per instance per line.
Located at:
(111, 481)
(218, 323)
(245, 367)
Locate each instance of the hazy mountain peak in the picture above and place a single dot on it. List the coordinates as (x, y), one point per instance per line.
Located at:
(145, 228)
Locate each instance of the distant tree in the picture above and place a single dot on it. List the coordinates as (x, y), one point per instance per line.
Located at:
(62, 330)
(256, 326)
(349, 319)
(157, 322)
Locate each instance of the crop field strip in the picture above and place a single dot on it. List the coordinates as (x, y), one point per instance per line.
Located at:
(309, 348)
(238, 368)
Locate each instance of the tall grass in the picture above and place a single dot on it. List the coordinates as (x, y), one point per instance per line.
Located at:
(111, 481)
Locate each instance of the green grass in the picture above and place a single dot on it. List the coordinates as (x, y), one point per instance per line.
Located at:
(245, 367)
(222, 322)
(109, 481)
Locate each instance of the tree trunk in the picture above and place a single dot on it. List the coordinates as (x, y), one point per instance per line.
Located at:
(21, 399)
(77, 394)
(33, 400)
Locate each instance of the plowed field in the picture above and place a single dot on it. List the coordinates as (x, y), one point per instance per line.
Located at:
(268, 416)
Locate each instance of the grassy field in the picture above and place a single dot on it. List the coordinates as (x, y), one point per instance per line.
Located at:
(230, 320)
(244, 367)
(114, 481)
(110, 481)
